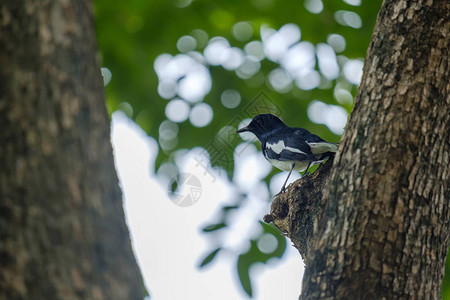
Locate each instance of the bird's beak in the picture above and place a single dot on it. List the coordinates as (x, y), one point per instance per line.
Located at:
(243, 129)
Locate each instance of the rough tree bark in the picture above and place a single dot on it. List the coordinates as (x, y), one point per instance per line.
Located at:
(295, 211)
(382, 230)
(62, 228)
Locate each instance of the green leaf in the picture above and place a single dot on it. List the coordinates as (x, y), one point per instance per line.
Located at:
(209, 258)
(269, 228)
(230, 207)
(243, 268)
(214, 227)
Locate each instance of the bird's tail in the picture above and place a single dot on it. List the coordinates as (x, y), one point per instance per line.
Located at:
(323, 147)
(323, 150)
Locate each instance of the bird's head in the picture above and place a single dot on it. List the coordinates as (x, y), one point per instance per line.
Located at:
(263, 124)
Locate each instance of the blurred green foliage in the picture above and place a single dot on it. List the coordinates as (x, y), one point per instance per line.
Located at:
(257, 254)
(446, 281)
(133, 34)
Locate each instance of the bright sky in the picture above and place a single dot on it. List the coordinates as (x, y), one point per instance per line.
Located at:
(167, 239)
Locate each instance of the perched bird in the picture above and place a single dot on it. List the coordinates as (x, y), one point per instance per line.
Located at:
(288, 148)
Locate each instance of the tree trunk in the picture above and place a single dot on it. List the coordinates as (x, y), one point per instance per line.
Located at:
(62, 228)
(384, 231)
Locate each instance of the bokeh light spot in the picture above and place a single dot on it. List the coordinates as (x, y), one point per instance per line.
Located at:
(342, 95)
(168, 135)
(177, 110)
(201, 115)
(277, 44)
(168, 130)
(230, 98)
(107, 75)
(195, 85)
(299, 59)
(168, 145)
(126, 108)
(186, 43)
(280, 80)
(313, 6)
(201, 37)
(217, 51)
(353, 2)
(352, 70)
(348, 18)
(167, 89)
(308, 80)
(327, 61)
(234, 59)
(255, 49)
(336, 41)
(182, 3)
(248, 68)
(267, 243)
(333, 116)
(242, 31)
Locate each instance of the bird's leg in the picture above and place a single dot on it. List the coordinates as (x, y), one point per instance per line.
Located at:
(306, 172)
(284, 184)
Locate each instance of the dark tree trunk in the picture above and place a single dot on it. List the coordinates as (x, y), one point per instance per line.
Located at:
(384, 230)
(381, 229)
(62, 228)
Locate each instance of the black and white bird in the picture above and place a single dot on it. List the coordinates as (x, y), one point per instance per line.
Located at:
(288, 148)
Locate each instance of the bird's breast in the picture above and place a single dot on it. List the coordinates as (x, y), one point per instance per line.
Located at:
(286, 165)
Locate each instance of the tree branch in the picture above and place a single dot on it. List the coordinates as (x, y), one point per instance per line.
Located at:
(294, 212)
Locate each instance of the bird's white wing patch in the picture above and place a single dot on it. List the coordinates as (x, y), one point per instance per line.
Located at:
(322, 147)
(280, 146)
